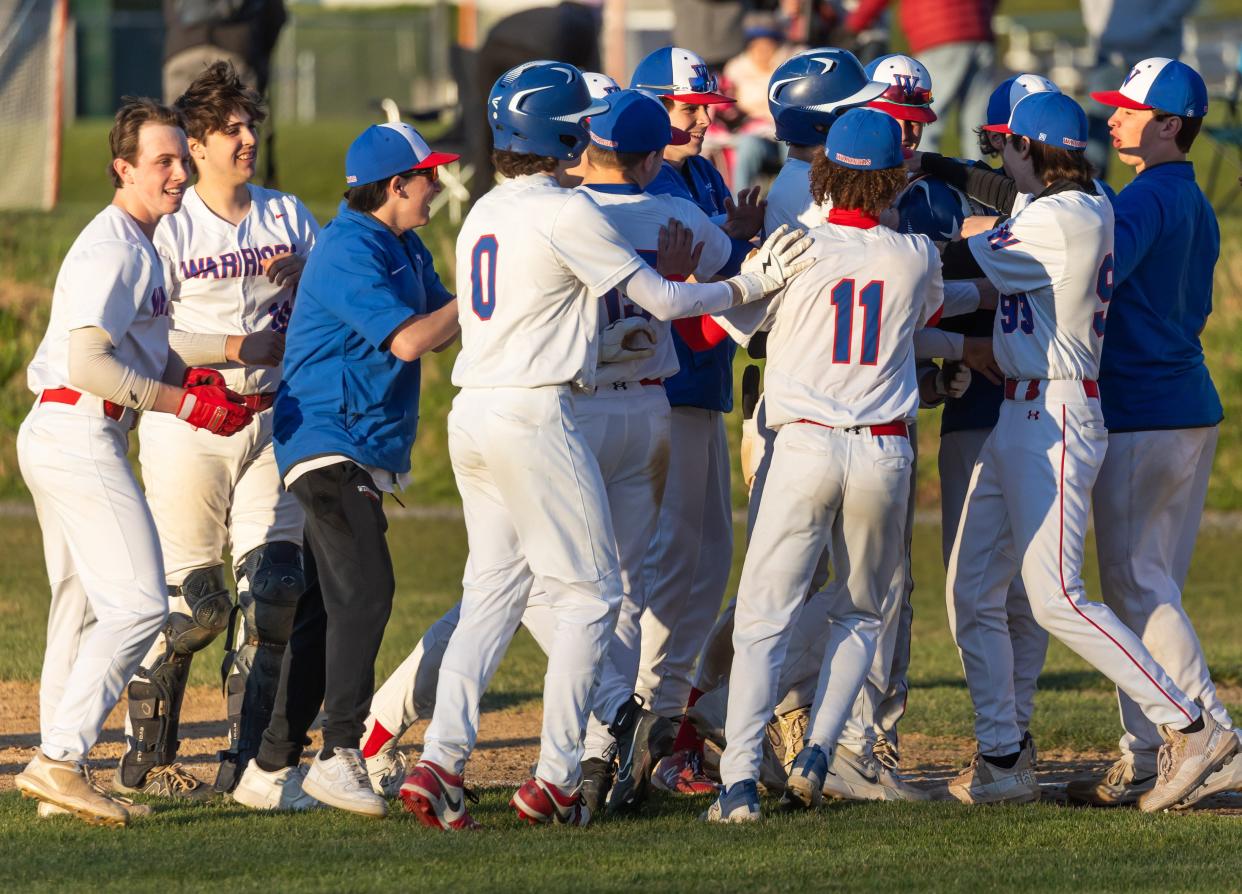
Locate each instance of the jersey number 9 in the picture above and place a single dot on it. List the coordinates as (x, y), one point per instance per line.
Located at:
(483, 282)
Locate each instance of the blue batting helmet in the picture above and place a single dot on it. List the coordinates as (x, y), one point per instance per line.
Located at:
(537, 108)
(933, 208)
(810, 89)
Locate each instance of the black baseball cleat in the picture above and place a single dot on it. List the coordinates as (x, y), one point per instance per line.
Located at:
(642, 739)
(596, 783)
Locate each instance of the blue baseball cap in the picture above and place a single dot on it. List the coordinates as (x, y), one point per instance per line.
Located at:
(866, 139)
(1162, 84)
(1010, 90)
(1050, 118)
(385, 150)
(635, 122)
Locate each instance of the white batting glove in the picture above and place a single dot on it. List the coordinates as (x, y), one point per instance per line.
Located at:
(771, 265)
(631, 338)
(952, 380)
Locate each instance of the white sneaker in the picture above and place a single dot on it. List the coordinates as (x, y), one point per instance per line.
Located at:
(985, 783)
(861, 777)
(1185, 760)
(341, 781)
(386, 771)
(1227, 779)
(275, 790)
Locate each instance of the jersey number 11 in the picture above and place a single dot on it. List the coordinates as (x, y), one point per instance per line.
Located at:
(871, 302)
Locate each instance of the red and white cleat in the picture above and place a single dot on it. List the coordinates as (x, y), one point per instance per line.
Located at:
(542, 802)
(682, 774)
(438, 798)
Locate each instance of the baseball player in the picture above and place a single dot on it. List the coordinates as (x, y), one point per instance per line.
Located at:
(103, 359)
(538, 258)
(232, 256)
(688, 563)
(841, 466)
(1030, 490)
(1160, 406)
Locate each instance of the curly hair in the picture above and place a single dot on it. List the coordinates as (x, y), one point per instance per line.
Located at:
(135, 111)
(855, 189)
(519, 164)
(212, 97)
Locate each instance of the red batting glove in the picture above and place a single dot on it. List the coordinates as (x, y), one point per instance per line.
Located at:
(202, 375)
(213, 407)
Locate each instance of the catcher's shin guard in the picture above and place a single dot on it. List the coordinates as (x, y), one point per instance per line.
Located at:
(270, 580)
(155, 693)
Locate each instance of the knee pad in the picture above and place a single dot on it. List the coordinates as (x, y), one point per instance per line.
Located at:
(275, 581)
(209, 603)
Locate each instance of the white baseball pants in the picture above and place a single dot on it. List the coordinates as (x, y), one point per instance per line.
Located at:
(1148, 503)
(687, 564)
(959, 452)
(210, 494)
(823, 485)
(103, 562)
(536, 512)
(1026, 508)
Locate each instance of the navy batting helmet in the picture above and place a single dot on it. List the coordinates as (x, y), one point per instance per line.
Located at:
(538, 107)
(809, 90)
(933, 208)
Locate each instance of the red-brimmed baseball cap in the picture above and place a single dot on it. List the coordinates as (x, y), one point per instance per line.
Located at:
(385, 150)
(1163, 84)
(674, 73)
(908, 96)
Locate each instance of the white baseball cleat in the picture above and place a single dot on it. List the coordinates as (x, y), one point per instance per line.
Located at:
(737, 803)
(1186, 760)
(985, 783)
(1227, 779)
(386, 770)
(341, 781)
(273, 790)
(67, 785)
(862, 777)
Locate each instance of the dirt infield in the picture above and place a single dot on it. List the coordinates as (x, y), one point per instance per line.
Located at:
(508, 745)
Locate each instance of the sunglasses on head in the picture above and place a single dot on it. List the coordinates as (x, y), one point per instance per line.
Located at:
(907, 96)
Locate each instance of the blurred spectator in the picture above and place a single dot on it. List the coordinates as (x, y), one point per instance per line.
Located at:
(1122, 34)
(820, 23)
(243, 32)
(566, 32)
(955, 41)
(746, 77)
(711, 28)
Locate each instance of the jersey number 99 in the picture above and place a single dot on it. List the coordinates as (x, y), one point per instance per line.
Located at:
(483, 281)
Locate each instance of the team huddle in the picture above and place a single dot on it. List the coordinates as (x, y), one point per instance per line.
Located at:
(603, 289)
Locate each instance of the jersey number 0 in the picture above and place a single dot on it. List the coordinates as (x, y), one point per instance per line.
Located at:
(483, 282)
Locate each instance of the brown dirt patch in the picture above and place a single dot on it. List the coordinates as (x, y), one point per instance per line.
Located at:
(508, 745)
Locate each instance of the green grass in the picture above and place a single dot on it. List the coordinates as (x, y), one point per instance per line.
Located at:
(924, 847)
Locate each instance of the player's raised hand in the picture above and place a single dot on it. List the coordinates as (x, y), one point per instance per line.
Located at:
(284, 269)
(744, 218)
(677, 256)
(263, 348)
(977, 354)
(771, 265)
(630, 338)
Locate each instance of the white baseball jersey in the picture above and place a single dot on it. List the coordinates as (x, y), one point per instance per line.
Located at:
(789, 199)
(638, 216)
(111, 278)
(215, 274)
(531, 256)
(841, 351)
(1051, 262)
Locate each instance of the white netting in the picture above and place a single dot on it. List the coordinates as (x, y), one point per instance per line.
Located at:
(32, 36)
